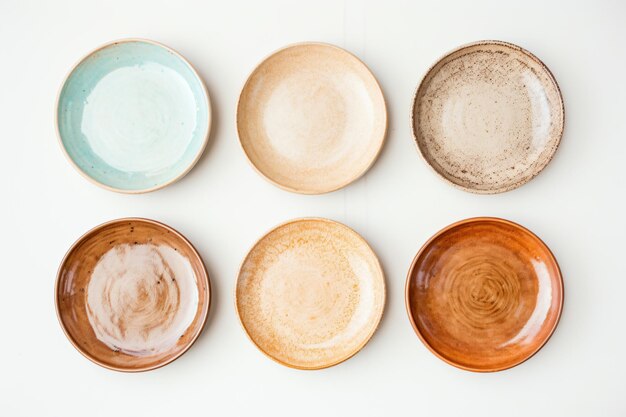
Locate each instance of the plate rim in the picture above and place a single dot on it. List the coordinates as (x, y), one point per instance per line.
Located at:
(351, 179)
(207, 132)
(517, 48)
(560, 287)
(204, 313)
(360, 346)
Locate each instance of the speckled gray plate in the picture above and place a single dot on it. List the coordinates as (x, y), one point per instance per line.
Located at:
(488, 117)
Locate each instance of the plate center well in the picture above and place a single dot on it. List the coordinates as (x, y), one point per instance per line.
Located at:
(140, 118)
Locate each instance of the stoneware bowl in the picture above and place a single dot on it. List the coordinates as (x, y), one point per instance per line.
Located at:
(488, 117)
(484, 294)
(133, 116)
(310, 293)
(311, 118)
(132, 295)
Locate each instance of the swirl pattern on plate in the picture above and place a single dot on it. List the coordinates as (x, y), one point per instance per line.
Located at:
(484, 291)
(139, 298)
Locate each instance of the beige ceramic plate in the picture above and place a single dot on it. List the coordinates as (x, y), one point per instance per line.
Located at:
(132, 295)
(310, 293)
(488, 117)
(311, 118)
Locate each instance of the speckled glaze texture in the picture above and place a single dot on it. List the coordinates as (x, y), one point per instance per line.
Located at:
(484, 294)
(132, 295)
(133, 116)
(311, 118)
(488, 117)
(310, 293)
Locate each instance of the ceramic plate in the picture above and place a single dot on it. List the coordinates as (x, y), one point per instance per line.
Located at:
(132, 295)
(310, 293)
(484, 294)
(133, 116)
(488, 117)
(311, 118)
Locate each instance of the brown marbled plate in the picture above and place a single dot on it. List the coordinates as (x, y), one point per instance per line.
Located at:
(132, 294)
(310, 293)
(488, 117)
(484, 294)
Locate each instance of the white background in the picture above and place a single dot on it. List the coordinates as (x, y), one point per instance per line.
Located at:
(576, 205)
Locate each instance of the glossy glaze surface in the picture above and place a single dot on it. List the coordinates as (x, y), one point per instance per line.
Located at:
(133, 116)
(310, 293)
(311, 118)
(484, 294)
(132, 294)
(488, 117)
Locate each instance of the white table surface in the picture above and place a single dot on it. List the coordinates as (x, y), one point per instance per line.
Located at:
(576, 205)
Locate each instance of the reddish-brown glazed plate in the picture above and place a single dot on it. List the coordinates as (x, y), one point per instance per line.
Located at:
(132, 294)
(484, 294)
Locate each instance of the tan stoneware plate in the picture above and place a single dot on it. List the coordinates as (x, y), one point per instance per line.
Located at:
(311, 118)
(310, 293)
(132, 295)
(484, 294)
(488, 117)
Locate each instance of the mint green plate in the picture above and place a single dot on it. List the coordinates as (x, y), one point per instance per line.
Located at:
(133, 116)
